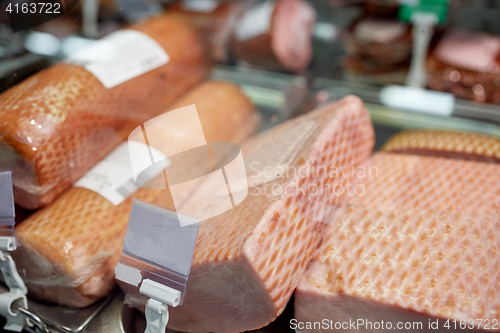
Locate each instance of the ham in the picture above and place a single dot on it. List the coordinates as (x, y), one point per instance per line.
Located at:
(58, 123)
(276, 35)
(466, 64)
(384, 41)
(69, 249)
(419, 245)
(450, 144)
(248, 260)
(217, 24)
(378, 51)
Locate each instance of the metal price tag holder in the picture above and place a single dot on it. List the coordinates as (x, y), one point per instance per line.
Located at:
(40, 318)
(15, 298)
(156, 258)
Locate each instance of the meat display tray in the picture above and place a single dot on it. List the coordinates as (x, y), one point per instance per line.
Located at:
(279, 97)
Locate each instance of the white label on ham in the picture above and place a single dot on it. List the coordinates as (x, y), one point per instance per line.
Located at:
(121, 56)
(112, 177)
(271, 158)
(256, 21)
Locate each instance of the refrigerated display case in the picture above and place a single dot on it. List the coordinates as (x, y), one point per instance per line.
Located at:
(358, 48)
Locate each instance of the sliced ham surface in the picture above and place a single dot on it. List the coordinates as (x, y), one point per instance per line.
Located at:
(285, 44)
(248, 260)
(419, 245)
(55, 125)
(69, 249)
(398, 181)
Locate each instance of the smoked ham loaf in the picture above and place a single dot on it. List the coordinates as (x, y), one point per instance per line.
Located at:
(216, 24)
(69, 249)
(420, 244)
(276, 35)
(459, 145)
(57, 124)
(248, 260)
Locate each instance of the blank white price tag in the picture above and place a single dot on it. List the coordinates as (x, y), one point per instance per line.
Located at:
(157, 248)
(7, 213)
(419, 100)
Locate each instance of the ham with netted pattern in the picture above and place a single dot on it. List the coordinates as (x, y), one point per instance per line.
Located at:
(420, 244)
(69, 249)
(57, 124)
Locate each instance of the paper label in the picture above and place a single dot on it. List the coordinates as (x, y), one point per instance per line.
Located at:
(271, 158)
(202, 6)
(256, 21)
(121, 56)
(112, 177)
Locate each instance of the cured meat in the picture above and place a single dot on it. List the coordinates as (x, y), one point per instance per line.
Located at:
(419, 245)
(248, 260)
(216, 24)
(378, 50)
(459, 145)
(430, 270)
(69, 249)
(58, 123)
(385, 41)
(402, 182)
(279, 41)
(466, 64)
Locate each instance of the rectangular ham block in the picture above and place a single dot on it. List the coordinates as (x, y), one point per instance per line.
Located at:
(248, 260)
(69, 249)
(420, 245)
(58, 123)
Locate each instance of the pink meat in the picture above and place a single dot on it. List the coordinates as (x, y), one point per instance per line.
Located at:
(421, 244)
(291, 36)
(287, 43)
(248, 260)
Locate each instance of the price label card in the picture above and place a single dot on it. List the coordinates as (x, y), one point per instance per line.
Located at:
(7, 213)
(157, 247)
(112, 177)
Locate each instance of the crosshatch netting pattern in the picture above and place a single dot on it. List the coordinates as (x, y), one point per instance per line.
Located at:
(282, 245)
(424, 236)
(445, 265)
(447, 144)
